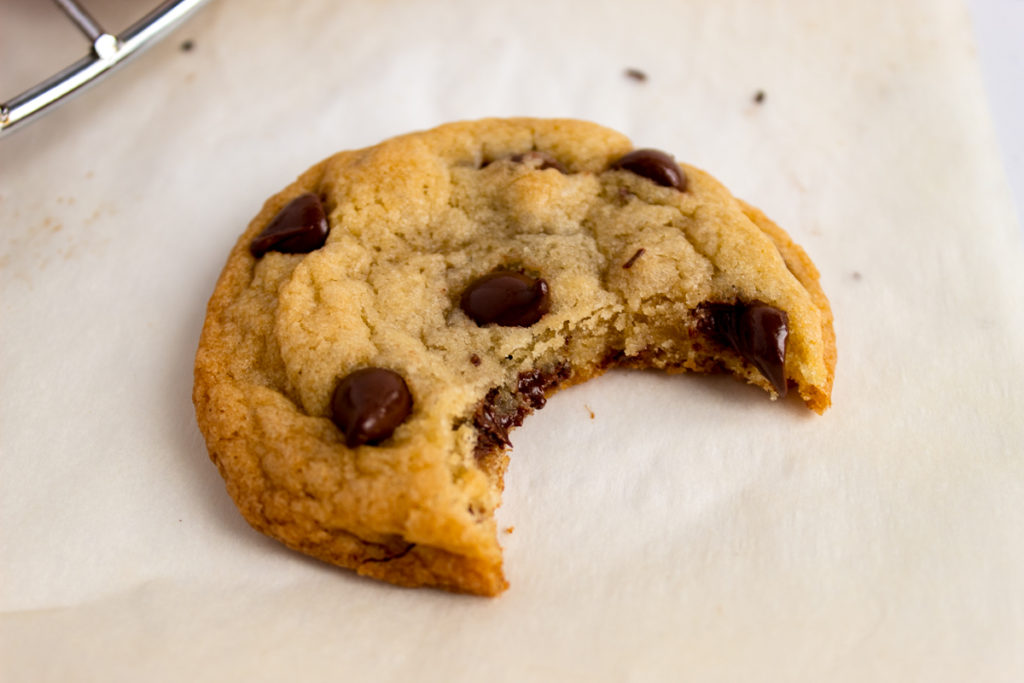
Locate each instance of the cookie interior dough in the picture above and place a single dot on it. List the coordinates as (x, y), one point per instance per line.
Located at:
(640, 269)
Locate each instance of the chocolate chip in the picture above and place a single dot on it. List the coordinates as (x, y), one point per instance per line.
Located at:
(300, 227)
(542, 160)
(756, 331)
(654, 165)
(369, 404)
(507, 298)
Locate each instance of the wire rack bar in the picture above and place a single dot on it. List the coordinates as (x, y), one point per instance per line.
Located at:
(108, 51)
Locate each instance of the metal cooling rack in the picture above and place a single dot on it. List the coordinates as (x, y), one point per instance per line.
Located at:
(107, 52)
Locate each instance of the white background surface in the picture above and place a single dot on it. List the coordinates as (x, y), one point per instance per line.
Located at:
(692, 529)
(999, 32)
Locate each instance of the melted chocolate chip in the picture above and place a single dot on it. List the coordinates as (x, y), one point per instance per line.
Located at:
(493, 419)
(531, 386)
(369, 404)
(654, 165)
(502, 408)
(756, 331)
(507, 298)
(300, 227)
(542, 160)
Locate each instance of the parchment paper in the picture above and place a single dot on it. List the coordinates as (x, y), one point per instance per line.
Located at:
(691, 529)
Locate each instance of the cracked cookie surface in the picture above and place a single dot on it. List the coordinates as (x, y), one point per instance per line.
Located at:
(632, 267)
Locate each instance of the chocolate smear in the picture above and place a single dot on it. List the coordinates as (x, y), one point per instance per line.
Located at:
(632, 259)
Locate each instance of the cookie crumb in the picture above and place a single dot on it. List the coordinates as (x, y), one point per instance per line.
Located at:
(759, 97)
(589, 410)
(856, 275)
(636, 75)
(509, 529)
(632, 259)
(474, 359)
(186, 46)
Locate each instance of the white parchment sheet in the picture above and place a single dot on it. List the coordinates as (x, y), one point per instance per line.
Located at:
(692, 529)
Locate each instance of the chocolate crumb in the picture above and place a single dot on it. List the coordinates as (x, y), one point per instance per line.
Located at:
(632, 259)
(759, 97)
(187, 45)
(508, 357)
(636, 75)
(474, 359)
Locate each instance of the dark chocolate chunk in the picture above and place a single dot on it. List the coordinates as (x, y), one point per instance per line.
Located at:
(654, 165)
(756, 331)
(369, 404)
(543, 160)
(507, 298)
(300, 227)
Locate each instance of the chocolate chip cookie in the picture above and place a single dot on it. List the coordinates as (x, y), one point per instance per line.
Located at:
(390, 316)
